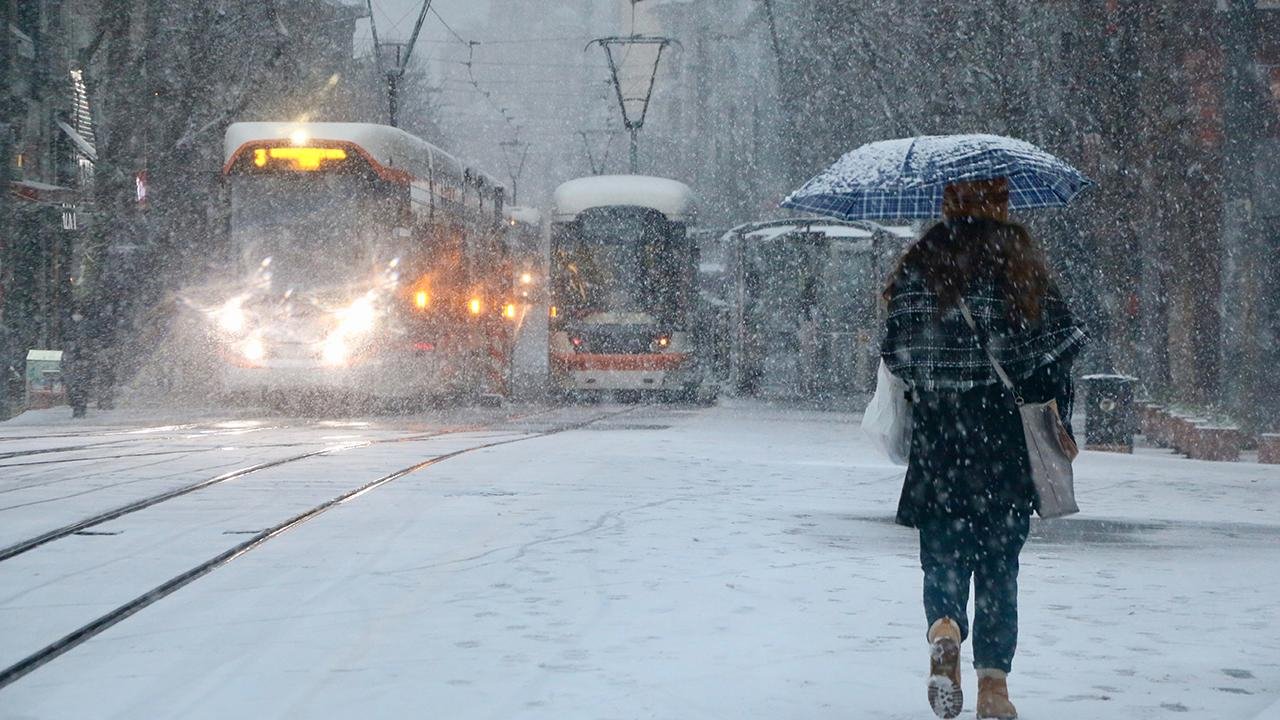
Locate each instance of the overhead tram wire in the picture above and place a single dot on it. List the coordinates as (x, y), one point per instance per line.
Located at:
(449, 27)
(534, 41)
(572, 66)
(471, 46)
(532, 81)
(475, 83)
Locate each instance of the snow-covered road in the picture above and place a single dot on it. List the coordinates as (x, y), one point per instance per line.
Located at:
(728, 562)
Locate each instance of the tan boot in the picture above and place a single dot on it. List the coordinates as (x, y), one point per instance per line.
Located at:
(945, 696)
(993, 696)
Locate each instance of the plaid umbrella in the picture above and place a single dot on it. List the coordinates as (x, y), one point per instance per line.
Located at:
(904, 178)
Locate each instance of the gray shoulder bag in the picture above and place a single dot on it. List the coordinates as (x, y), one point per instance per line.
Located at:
(1050, 449)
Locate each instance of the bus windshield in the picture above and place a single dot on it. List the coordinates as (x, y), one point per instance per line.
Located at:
(624, 260)
(319, 229)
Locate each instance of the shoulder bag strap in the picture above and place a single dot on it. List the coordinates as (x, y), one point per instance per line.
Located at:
(1004, 378)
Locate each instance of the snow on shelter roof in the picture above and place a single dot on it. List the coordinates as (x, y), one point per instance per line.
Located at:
(388, 146)
(841, 229)
(822, 228)
(672, 198)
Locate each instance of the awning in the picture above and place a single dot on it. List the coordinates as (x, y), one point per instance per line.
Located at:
(84, 146)
(38, 192)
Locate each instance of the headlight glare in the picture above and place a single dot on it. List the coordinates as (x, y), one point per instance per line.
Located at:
(253, 350)
(230, 317)
(335, 351)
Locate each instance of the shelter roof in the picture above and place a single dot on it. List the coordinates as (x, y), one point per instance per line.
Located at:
(839, 229)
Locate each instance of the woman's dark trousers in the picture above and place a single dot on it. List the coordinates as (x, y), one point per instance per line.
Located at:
(985, 549)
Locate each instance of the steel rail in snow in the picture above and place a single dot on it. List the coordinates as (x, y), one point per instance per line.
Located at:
(128, 508)
(103, 431)
(85, 632)
(81, 525)
(121, 456)
(216, 432)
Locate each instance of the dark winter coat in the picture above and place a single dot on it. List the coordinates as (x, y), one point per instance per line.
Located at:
(968, 456)
(934, 349)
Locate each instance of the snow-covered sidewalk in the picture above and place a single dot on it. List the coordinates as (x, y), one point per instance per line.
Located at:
(734, 562)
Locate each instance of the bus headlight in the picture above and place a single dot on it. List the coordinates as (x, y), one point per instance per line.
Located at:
(253, 350)
(230, 317)
(357, 318)
(335, 351)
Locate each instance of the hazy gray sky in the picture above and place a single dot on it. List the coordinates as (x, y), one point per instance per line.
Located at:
(395, 20)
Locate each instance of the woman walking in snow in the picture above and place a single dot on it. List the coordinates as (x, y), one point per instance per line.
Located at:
(968, 487)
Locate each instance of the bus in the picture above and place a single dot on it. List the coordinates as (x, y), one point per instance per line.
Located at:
(623, 287)
(364, 259)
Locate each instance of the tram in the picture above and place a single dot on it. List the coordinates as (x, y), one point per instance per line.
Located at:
(366, 259)
(623, 285)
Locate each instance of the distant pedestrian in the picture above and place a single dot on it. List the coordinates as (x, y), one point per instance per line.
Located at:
(76, 375)
(968, 488)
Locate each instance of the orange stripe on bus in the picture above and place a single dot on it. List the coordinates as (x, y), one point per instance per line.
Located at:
(389, 174)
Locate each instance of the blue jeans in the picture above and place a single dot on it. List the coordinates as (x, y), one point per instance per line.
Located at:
(984, 550)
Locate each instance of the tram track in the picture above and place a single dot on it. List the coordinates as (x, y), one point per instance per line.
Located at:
(106, 432)
(40, 481)
(49, 479)
(85, 632)
(211, 432)
(32, 543)
(149, 453)
(100, 458)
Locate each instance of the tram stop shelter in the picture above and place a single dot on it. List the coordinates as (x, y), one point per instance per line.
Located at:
(44, 379)
(805, 311)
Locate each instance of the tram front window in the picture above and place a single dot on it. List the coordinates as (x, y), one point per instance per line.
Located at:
(622, 261)
(320, 230)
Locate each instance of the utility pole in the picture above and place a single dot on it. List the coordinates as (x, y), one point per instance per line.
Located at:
(392, 68)
(632, 118)
(789, 95)
(514, 169)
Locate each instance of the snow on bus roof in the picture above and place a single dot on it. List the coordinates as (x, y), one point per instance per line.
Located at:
(672, 198)
(389, 146)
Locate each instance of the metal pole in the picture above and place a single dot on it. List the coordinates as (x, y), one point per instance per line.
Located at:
(393, 99)
(635, 150)
(633, 125)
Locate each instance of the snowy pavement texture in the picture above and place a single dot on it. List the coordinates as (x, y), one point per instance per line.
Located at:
(728, 562)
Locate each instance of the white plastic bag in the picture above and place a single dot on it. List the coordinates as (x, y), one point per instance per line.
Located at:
(887, 419)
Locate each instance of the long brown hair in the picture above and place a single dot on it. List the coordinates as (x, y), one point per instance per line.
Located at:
(951, 256)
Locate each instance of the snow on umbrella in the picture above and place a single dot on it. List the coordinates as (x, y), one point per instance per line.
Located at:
(904, 178)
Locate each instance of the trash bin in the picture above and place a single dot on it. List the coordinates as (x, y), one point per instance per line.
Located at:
(1109, 417)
